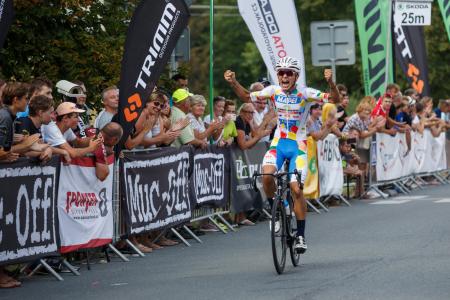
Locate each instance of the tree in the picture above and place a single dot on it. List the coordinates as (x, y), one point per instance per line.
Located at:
(71, 39)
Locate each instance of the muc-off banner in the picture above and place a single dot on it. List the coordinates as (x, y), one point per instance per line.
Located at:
(155, 188)
(210, 179)
(244, 165)
(28, 221)
(445, 10)
(411, 55)
(6, 18)
(331, 179)
(373, 17)
(84, 205)
(152, 35)
(274, 27)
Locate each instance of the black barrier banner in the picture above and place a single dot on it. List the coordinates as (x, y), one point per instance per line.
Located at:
(411, 55)
(6, 18)
(152, 35)
(244, 164)
(210, 178)
(156, 189)
(28, 221)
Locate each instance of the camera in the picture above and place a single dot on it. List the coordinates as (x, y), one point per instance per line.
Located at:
(69, 90)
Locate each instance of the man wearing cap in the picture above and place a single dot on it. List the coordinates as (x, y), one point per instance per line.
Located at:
(181, 102)
(59, 134)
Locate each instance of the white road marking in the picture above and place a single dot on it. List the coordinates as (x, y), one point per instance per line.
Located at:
(390, 202)
(406, 197)
(446, 200)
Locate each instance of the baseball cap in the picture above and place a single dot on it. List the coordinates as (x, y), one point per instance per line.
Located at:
(68, 108)
(180, 95)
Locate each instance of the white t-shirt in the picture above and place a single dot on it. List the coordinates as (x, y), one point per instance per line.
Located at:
(54, 137)
(258, 118)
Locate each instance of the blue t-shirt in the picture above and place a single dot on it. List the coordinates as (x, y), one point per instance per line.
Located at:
(404, 118)
(23, 114)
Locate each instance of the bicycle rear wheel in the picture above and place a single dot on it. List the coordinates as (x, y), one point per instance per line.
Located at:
(278, 235)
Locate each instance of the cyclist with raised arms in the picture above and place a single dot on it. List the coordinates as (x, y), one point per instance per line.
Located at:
(291, 106)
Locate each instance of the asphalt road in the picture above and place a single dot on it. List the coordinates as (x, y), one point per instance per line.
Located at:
(399, 249)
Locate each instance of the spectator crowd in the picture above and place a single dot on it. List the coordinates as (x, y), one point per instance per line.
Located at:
(33, 124)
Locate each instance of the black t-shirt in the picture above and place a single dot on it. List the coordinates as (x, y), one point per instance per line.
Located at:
(241, 125)
(342, 118)
(6, 128)
(25, 125)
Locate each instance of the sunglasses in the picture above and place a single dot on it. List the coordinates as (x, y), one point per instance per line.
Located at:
(288, 73)
(160, 104)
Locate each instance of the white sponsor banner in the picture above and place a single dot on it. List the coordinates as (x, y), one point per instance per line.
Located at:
(388, 165)
(84, 205)
(331, 179)
(427, 154)
(274, 27)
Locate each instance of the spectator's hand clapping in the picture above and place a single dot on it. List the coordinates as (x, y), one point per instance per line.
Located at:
(18, 138)
(180, 125)
(170, 136)
(46, 155)
(95, 143)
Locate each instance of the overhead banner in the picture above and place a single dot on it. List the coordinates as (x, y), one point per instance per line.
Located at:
(410, 53)
(155, 189)
(28, 221)
(210, 179)
(275, 29)
(6, 19)
(311, 186)
(84, 205)
(445, 10)
(151, 37)
(373, 21)
(244, 164)
(331, 179)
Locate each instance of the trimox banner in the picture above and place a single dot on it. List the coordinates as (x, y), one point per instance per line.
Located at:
(373, 25)
(28, 221)
(331, 180)
(445, 10)
(156, 189)
(274, 27)
(6, 18)
(394, 160)
(84, 205)
(411, 55)
(210, 179)
(152, 35)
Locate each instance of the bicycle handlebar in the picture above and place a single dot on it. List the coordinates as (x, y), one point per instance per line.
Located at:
(275, 175)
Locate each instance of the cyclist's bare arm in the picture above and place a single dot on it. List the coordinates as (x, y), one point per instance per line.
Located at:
(238, 89)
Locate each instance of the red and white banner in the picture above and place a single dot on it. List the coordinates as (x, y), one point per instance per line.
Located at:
(274, 27)
(84, 205)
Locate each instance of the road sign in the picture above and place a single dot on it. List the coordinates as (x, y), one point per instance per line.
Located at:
(413, 13)
(333, 43)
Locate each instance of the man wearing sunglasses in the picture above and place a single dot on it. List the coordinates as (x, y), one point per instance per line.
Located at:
(291, 105)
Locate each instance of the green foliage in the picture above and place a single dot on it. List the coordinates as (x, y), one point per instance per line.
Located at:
(84, 39)
(67, 40)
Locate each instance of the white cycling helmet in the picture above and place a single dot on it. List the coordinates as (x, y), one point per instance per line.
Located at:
(288, 63)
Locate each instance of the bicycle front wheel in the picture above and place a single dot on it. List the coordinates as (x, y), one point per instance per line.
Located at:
(278, 235)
